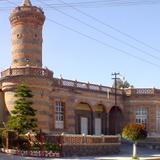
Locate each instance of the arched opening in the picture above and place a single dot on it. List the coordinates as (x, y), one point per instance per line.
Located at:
(100, 120)
(84, 119)
(115, 120)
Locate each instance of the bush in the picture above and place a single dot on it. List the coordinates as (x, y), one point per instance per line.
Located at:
(52, 147)
(23, 143)
(134, 132)
(36, 146)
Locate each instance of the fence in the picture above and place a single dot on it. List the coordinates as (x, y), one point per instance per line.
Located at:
(83, 139)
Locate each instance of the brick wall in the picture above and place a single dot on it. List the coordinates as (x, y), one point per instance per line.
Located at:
(81, 145)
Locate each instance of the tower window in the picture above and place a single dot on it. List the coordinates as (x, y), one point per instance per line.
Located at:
(19, 36)
(59, 115)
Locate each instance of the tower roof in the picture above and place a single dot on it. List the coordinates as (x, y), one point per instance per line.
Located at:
(27, 3)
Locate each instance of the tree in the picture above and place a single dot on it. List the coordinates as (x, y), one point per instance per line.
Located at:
(23, 115)
(122, 84)
(134, 133)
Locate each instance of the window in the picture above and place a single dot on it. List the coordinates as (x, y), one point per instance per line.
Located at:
(141, 116)
(59, 115)
(158, 119)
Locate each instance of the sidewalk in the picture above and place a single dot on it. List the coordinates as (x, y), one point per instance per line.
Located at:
(125, 154)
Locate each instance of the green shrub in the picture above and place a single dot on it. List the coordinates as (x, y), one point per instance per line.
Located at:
(36, 146)
(52, 147)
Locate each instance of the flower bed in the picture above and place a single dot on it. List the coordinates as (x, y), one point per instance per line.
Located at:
(46, 154)
(49, 154)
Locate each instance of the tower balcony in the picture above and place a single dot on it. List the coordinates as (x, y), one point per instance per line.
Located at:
(27, 71)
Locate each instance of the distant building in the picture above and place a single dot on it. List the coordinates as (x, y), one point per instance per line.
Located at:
(64, 105)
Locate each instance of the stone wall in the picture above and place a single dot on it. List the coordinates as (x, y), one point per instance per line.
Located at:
(89, 150)
(151, 142)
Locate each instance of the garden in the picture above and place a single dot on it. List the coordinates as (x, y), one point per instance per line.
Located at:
(21, 134)
(29, 144)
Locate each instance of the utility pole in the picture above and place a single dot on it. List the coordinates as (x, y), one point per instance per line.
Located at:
(115, 74)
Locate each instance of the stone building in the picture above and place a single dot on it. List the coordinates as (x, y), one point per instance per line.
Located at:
(64, 105)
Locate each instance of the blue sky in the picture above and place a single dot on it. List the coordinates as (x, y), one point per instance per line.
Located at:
(77, 57)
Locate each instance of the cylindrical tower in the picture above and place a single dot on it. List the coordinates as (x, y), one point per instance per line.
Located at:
(27, 23)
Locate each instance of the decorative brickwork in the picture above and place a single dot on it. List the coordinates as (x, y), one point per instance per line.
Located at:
(27, 22)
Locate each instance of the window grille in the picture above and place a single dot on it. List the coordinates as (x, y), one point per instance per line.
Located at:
(141, 116)
(59, 115)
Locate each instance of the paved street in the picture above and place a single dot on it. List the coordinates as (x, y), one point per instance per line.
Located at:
(126, 151)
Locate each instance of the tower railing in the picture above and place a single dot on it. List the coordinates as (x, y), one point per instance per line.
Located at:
(30, 71)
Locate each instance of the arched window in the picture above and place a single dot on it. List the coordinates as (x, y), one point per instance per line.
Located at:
(141, 116)
(59, 115)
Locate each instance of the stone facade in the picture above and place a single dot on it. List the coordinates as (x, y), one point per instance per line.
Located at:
(65, 105)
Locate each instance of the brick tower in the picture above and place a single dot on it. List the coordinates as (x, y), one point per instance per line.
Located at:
(27, 22)
(26, 67)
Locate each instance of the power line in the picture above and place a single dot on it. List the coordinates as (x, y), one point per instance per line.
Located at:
(10, 2)
(113, 28)
(107, 3)
(102, 32)
(104, 44)
(103, 3)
